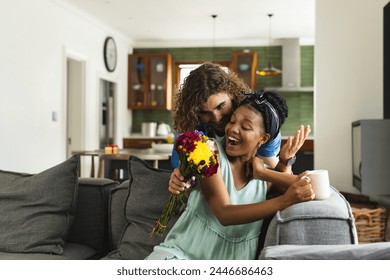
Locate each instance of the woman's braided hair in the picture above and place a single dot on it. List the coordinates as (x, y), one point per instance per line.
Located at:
(271, 105)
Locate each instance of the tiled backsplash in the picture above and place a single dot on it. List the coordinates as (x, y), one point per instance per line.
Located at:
(140, 116)
(300, 103)
(307, 66)
(300, 111)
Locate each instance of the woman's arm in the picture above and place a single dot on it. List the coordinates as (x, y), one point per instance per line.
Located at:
(291, 148)
(217, 197)
(255, 169)
(288, 150)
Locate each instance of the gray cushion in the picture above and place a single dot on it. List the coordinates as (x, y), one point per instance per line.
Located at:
(72, 251)
(326, 222)
(90, 225)
(36, 211)
(117, 219)
(374, 251)
(147, 197)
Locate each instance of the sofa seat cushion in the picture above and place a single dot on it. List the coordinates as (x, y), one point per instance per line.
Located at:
(113, 255)
(72, 251)
(328, 221)
(36, 211)
(373, 251)
(147, 196)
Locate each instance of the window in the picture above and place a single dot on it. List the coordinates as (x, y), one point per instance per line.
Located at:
(184, 69)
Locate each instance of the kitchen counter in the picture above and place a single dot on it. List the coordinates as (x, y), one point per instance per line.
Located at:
(140, 136)
(114, 166)
(142, 142)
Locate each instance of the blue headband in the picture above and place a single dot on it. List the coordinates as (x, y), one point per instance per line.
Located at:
(258, 99)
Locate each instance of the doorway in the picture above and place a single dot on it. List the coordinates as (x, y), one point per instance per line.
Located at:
(107, 129)
(75, 92)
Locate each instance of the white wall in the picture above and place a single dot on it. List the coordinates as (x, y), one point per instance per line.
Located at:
(35, 35)
(348, 79)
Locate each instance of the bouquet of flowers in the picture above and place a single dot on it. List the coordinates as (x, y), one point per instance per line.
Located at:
(198, 158)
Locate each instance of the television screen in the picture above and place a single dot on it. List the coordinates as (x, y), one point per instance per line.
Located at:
(370, 156)
(356, 154)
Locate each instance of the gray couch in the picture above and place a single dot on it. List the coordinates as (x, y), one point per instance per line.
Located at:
(56, 215)
(313, 230)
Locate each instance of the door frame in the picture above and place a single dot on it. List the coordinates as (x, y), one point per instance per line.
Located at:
(81, 112)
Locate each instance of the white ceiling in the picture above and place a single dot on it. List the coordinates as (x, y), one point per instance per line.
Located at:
(189, 23)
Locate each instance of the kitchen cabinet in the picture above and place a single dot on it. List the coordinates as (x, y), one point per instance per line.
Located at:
(150, 81)
(244, 64)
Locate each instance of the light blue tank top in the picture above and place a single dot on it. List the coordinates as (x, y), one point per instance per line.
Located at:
(198, 234)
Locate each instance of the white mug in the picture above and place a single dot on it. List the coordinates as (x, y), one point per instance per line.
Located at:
(319, 180)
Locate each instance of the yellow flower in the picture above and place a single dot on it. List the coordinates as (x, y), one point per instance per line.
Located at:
(200, 153)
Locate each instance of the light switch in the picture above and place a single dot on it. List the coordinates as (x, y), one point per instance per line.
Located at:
(54, 116)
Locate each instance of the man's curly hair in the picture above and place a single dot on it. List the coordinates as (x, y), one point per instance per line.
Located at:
(199, 85)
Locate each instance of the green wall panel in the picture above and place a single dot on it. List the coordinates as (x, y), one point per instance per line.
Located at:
(300, 111)
(307, 66)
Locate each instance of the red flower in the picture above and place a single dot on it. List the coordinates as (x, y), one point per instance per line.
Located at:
(194, 163)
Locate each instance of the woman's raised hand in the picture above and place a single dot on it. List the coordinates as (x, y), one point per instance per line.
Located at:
(293, 144)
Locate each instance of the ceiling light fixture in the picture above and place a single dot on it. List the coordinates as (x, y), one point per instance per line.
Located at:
(213, 50)
(270, 70)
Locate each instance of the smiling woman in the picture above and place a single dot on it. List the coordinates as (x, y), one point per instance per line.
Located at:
(236, 194)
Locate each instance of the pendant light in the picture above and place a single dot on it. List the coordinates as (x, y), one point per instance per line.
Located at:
(270, 70)
(213, 50)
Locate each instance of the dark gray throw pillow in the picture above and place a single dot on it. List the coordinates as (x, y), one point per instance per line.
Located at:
(147, 196)
(36, 211)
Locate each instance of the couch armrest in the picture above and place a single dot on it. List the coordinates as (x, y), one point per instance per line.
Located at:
(316, 222)
(90, 225)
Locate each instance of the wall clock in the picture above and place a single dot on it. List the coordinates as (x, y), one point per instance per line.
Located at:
(110, 54)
